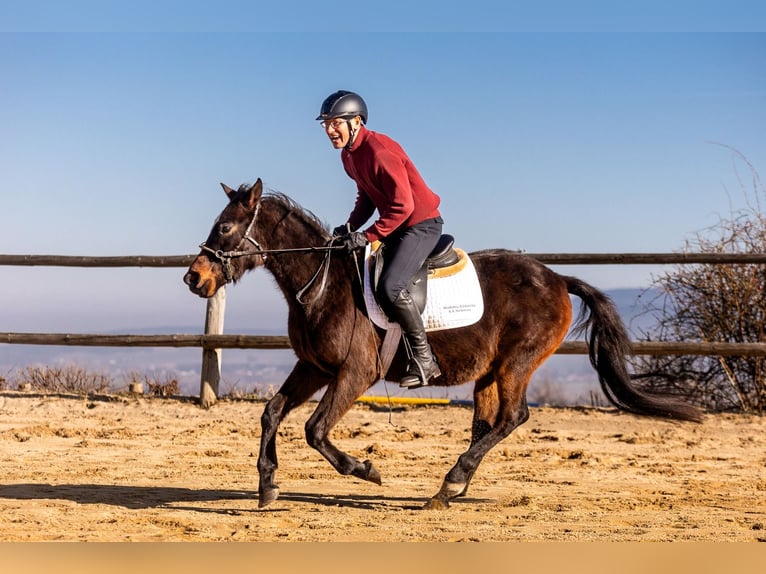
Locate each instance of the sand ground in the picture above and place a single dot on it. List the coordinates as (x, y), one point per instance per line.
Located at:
(142, 469)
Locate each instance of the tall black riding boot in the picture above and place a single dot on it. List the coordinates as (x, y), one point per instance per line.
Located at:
(422, 366)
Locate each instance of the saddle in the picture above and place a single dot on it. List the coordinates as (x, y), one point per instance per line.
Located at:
(442, 261)
(454, 300)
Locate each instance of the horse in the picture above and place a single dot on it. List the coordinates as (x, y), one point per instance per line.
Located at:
(528, 316)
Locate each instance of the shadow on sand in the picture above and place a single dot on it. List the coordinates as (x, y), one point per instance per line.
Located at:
(143, 497)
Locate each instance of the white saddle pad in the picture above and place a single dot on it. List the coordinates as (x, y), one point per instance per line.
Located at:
(454, 300)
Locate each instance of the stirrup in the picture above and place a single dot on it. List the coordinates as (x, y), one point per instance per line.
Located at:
(410, 382)
(411, 385)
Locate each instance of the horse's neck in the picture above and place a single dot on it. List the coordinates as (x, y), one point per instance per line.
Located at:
(286, 229)
(303, 272)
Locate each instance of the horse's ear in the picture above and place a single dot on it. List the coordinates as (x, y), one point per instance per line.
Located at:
(227, 190)
(256, 190)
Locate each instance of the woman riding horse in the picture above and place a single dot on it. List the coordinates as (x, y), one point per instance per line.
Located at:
(409, 224)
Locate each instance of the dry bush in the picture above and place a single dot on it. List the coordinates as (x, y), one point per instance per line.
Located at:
(157, 385)
(77, 380)
(166, 388)
(714, 303)
(68, 379)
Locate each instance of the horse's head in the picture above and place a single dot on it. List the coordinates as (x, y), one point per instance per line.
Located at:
(231, 248)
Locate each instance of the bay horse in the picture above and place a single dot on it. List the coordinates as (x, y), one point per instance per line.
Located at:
(528, 313)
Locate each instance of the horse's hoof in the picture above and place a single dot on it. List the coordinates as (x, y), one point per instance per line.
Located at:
(267, 496)
(436, 504)
(371, 473)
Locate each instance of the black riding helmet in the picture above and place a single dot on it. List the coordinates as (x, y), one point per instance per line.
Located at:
(343, 104)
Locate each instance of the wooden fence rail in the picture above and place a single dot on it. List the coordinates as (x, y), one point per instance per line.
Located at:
(547, 258)
(213, 340)
(282, 342)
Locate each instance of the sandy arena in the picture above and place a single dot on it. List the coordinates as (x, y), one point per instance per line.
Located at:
(141, 469)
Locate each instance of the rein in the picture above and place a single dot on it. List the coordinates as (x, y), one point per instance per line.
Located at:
(226, 257)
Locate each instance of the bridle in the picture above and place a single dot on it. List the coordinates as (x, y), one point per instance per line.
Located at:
(225, 258)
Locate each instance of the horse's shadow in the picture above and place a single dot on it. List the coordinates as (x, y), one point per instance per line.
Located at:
(143, 497)
(132, 497)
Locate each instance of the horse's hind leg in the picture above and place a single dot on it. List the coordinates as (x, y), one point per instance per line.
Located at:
(512, 411)
(301, 384)
(485, 408)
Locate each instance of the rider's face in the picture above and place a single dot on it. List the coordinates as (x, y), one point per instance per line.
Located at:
(338, 131)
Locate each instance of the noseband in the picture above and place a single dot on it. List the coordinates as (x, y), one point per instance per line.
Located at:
(225, 258)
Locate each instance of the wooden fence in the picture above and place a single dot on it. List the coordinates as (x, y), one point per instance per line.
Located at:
(213, 339)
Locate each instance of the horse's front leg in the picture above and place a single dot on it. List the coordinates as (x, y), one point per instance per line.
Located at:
(335, 403)
(300, 385)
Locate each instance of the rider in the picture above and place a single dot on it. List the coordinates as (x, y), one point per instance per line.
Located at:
(408, 224)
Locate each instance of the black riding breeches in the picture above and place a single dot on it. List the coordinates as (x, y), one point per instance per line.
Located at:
(405, 253)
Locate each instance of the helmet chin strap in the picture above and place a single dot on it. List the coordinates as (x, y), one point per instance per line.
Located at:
(351, 134)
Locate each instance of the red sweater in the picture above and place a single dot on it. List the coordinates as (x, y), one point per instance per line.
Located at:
(386, 179)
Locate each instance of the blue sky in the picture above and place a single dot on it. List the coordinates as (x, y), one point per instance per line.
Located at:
(114, 140)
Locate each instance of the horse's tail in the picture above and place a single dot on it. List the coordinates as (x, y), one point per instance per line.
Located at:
(608, 344)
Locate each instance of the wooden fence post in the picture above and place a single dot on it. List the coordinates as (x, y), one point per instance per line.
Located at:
(211, 358)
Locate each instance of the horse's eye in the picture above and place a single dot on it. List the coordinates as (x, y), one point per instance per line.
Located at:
(225, 228)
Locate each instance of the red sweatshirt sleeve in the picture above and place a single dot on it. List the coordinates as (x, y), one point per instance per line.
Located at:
(363, 210)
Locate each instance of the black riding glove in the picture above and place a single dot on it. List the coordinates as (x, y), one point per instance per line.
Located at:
(342, 230)
(354, 240)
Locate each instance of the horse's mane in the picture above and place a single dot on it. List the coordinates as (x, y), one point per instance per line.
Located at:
(290, 205)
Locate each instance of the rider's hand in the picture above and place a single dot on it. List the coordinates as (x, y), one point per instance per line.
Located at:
(341, 230)
(354, 240)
